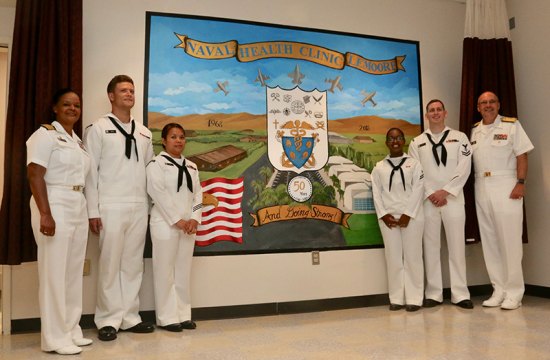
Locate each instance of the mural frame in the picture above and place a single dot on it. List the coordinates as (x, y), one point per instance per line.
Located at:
(215, 46)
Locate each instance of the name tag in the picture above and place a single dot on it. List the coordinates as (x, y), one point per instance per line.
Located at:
(110, 131)
(500, 137)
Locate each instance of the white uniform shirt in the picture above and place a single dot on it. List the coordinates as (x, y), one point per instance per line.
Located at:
(397, 201)
(450, 177)
(120, 180)
(496, 146)
(162, 185)
(67, 162)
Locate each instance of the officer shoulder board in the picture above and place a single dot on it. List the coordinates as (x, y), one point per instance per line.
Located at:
(476, 124)
(191, 166)
(48, 126)
(150, 161)
(508, 119)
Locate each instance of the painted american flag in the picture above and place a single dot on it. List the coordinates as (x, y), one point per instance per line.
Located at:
(222, 221)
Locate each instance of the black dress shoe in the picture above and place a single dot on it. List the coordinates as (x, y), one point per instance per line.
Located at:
(465, 304)
(188, 325)
(173, 327)
(141, 328)
(411, 308)
(106, 333)
(395, 307)
(429, 303)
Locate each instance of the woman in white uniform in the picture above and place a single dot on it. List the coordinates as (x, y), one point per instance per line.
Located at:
(174, 186)
(397, 188)
(58, 168)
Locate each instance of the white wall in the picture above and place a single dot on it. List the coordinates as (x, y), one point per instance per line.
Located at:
(114, 38)
(531, 53)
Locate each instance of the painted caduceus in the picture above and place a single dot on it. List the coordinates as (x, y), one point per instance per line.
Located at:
(297, 129)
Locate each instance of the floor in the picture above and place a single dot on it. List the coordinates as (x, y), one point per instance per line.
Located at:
(444, 332)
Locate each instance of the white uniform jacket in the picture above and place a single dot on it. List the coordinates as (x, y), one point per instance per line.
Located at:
(450, 177)
(55, 150)
(496, 146)
(169, 204)
(398, 201)
(120, 180)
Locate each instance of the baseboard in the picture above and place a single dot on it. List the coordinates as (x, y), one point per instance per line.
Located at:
(539, 291)
(267, 309)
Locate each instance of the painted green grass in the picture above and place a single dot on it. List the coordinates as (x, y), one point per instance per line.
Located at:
(363, 230)
(210, 141)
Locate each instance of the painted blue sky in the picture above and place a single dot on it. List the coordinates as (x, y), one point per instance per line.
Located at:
(180, 84)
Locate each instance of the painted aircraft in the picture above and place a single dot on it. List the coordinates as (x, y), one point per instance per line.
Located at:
(261, 78)
(296, 75)
(222, 86)
(335, 83)
(368, 97)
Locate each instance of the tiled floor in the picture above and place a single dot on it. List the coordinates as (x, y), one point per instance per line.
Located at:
(444, 332)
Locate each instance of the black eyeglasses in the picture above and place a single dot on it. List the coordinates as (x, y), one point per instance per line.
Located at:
(397, 138)
(485, 102)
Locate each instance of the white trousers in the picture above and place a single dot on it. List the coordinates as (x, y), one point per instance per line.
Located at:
(120, 268)
(60, 266)
(453, 218)
(501, 226)
(172, 257)
(403, 250)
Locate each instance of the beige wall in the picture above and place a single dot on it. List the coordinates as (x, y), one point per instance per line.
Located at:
(531, 54)
(7, 18)
(113, 43)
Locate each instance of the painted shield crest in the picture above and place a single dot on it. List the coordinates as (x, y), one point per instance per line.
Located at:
(297, 129)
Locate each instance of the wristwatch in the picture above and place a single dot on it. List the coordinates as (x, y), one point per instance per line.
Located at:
(521, 181)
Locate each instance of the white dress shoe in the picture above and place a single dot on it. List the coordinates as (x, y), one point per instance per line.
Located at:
(493, 301)
(69, 350)
(82, 341)
(510, 304)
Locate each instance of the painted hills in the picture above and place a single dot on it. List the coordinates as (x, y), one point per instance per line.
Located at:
(246, 121)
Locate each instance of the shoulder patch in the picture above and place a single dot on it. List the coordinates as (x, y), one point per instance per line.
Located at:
(508, 119)
(48, 126)
(476, 124)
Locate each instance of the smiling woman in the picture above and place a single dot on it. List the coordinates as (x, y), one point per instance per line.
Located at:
(58, 168)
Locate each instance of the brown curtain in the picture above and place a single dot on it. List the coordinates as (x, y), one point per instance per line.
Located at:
(487, 65)
(46, 56)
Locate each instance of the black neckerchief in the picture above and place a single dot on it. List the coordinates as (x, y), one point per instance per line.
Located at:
(129, 137)
(443, 149)
(181, 169)
(395, 168)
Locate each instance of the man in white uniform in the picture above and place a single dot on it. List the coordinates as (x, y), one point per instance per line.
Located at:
(121, 148)
(445, 156)
(500, 147)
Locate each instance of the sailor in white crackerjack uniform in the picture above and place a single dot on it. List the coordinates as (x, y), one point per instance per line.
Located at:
(121, 148)
(397, 188)
(58, 168)
(445, 155)
(500, 147)
(174, 185)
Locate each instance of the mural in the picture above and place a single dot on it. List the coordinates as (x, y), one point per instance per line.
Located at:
(285, 125)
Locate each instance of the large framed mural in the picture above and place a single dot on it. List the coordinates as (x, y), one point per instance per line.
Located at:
(285, 125)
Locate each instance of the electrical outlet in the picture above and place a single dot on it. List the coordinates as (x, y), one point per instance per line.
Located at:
(315, 258)
(87, 267)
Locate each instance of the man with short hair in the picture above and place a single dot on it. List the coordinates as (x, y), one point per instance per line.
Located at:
(118, 209)
(445, 156)
(500, 147)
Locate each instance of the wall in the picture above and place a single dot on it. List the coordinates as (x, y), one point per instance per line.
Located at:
(114, 43)
(531, 52)
(7, 18)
